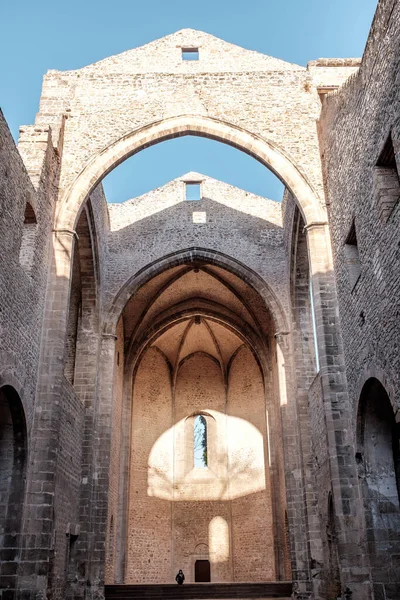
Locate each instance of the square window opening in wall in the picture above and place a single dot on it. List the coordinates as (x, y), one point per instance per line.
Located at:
(386, 181)
(190, 54)
(352, 256)
(193, 191)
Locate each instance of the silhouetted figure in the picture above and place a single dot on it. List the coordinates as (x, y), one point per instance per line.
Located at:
(348, 594)
(180, 578)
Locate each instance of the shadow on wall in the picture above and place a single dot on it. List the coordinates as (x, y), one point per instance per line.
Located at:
(205, 223)
(378, 459)
(13, 455)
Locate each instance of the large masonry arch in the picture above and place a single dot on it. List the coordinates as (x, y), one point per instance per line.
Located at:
(139, 319)
(196, 256)
(135, 141)
(180, 294)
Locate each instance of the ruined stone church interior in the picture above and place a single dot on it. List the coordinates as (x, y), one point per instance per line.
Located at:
(202, 378)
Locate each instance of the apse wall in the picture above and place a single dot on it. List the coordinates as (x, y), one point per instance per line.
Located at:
(200, 387)
(252, 520)
(179, 513)
(150, 516)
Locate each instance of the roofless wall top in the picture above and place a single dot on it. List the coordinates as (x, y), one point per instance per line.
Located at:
(101, 114)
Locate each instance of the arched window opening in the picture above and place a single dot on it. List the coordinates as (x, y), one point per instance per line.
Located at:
(70, 556)
(200, 442)
(219, 540)
(83, 316)
(29, 230)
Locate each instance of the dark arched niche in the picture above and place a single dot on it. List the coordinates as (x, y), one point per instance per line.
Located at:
(379, 448)
(378, 461)
(13, 454)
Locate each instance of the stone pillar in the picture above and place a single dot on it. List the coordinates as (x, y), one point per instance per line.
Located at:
(122, 520)
(337, 410)
(101, 463)
(295, 483)
(86, 386)
(37, 558)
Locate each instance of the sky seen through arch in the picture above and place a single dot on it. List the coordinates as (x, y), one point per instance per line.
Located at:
(70, 36)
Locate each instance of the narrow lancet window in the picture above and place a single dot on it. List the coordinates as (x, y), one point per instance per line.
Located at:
(200, 442)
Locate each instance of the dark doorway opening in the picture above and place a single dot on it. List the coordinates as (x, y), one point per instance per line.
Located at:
(202, 571)
(13, 452)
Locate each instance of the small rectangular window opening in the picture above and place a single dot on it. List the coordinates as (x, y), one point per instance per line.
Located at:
(386, 181)
(352, 256)
(193, 191)
(190, 54)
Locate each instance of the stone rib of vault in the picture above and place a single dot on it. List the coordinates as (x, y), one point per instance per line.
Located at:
(165, 56)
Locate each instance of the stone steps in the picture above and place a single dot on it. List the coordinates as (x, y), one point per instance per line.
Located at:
(201, 591)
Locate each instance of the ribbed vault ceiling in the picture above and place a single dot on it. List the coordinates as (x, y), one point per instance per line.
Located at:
(196, 308)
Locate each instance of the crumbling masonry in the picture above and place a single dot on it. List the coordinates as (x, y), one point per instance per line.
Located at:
(278, 323)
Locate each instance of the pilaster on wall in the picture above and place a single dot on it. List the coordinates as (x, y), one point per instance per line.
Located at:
(296, 510)
(41, 481)
(100, 485)
(345, 489)
(88, 346)
(305, 373)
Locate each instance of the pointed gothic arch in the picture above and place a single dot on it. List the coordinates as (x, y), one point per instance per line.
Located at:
(259, 148)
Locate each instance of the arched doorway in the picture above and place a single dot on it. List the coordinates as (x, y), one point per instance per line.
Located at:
(378, 459)
(13, 459)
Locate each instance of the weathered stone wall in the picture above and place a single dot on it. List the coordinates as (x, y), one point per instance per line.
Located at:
(115, 96)
(247, 99)
(56, 441)
(78, 440)
(237, 223)
(149, 544)
(330, 73)
(355, 125)
(22, 293)
(197, 501)
(180, 513)
(68, 488)
(253, 551)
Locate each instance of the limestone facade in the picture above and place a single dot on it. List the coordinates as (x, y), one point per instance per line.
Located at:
(276, 322)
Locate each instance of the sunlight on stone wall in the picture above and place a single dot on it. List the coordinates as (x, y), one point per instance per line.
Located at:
(219, 540)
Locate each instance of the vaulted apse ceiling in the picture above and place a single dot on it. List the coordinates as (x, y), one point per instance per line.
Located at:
(196, 308)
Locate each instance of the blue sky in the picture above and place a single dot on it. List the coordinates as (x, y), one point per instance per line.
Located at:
(42, 34)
